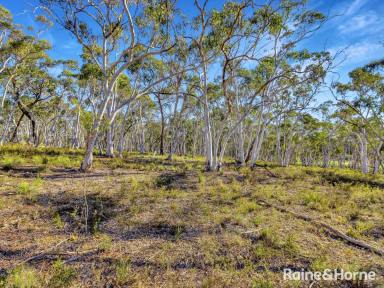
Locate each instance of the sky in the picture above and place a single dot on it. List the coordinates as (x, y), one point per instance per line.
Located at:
(355, 26)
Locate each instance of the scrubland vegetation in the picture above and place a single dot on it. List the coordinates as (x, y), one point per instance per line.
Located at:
(145, 221)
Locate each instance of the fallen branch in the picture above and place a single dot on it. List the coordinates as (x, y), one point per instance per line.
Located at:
(266, 168)
(50, 254)
(331, 229)
(79, 255)
(42, 253)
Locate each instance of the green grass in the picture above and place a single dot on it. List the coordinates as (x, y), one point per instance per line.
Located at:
(61, 275)
(24, 277)
(161, 223)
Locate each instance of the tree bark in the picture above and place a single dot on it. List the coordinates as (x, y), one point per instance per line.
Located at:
(110, 148)
(88, 156)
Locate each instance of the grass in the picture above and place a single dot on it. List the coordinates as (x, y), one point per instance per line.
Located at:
(314, 200)
(158, 223)
(29, 189)
(11, 161)
(61, 275)
(24, 277)
(123, 271)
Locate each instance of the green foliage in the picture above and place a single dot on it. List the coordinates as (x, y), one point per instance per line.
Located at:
(64, 161)
(105, 242)
(269, 237)
(23, 277)
(62, 275)
(123, 271)
(58, 221)
(10, 162)
(314, 200)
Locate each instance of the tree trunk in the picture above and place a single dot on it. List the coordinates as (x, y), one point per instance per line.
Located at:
(240, 145)
(363, 152)
(326, 156)
(75, 140)
(256, 146)
(109, 149)
(6, 128)
(162, 127)
(377, 158)
(88, 157)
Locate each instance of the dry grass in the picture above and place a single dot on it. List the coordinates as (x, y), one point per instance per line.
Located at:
(146, 222)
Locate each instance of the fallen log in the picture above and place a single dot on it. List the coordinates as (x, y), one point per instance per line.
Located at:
(328, 227)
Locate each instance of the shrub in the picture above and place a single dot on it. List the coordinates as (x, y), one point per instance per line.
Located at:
(134, 185)
(123, 271)
(29, 189)
(23, 277)
(105, 242)
(62, 275)
(64, 161)
(10, 162)
(245, 206)
(314, 200)
(269, 238)
(24, 188)
(58, 221)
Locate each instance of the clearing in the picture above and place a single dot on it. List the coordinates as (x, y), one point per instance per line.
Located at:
(143, 221)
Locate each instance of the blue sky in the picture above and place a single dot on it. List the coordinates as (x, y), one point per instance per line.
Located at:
(355, 25)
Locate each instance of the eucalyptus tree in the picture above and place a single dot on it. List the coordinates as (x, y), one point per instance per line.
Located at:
(77, 86)
(20, 55)
(116, 35)
(18, 51)
(6, 33)
(28, 92)
(312, 141)
(28, 80)
(361, 102)
(246, 34)
(178, 100)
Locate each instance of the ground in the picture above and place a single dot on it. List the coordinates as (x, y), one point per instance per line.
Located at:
(144, 221)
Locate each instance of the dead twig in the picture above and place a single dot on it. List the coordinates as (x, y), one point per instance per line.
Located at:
(266, 169)
(42, 253)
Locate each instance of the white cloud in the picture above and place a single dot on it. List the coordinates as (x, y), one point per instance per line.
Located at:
(355, 6)
(359, 53)
(364, 23)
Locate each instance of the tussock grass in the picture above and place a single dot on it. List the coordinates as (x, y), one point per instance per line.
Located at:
(23, 277)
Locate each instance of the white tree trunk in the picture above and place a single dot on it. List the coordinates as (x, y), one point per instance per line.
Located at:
(363, 152)
(88, 157)
(75, 140)
(377, 158)
(110, 148)
(257, 146)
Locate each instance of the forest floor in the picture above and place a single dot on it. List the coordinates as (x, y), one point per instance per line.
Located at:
(143, 221)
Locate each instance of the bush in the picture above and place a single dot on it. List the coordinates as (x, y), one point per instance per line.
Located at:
(29, 189)
(10, 162)
(64, 161)
(23, 277)
(314, 200)
(62, 276)
(123, 271)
